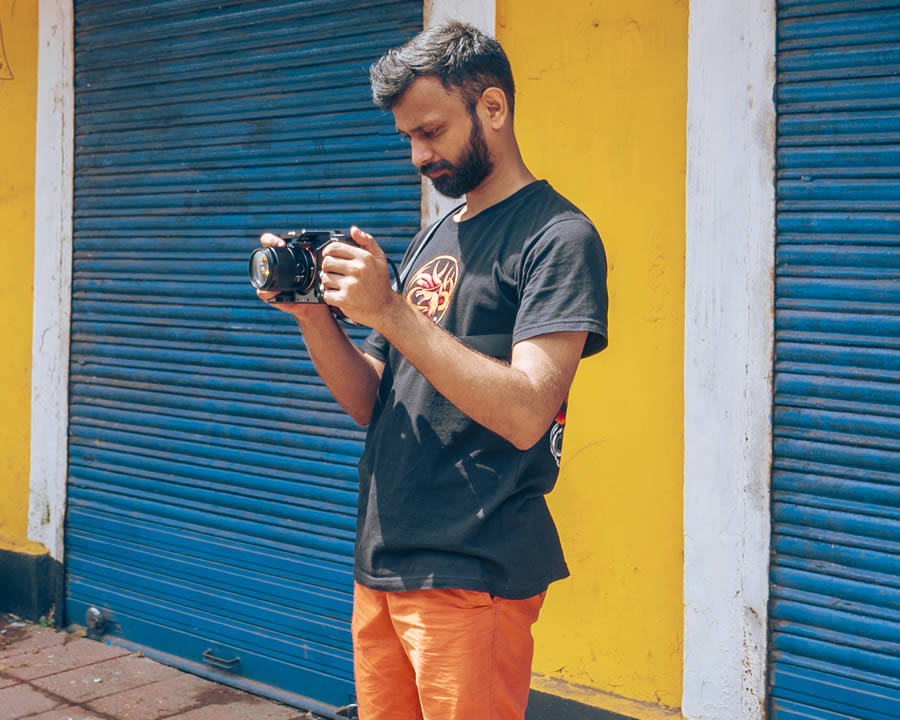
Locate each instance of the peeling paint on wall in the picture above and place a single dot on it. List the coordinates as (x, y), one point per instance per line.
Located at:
(53, 257)
(5, 70)
(728, 357)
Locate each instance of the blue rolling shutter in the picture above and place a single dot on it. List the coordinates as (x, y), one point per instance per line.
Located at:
(835, 575)
(212, 479)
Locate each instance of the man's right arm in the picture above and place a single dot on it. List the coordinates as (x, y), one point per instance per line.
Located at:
(351, 375)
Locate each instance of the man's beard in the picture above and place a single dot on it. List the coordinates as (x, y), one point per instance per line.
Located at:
(474, 166)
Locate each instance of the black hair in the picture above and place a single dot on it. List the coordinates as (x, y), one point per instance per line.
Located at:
(461, 56)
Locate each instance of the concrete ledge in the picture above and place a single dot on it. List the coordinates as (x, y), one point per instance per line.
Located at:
(33, 586)
(553, 698)
(544, 706)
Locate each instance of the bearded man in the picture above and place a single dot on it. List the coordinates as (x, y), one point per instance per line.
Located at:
(459, 383)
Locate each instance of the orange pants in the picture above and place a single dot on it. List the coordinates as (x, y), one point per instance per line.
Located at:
(442, 654)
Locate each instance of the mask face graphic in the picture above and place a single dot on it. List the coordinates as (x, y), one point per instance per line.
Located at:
(432, 287)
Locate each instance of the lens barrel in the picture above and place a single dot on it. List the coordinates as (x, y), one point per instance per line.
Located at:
(283, 268)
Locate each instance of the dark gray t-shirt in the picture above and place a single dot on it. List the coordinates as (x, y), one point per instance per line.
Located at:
(443, 501)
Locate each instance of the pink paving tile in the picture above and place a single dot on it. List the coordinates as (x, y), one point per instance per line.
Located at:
(69, 712)
(59, 658)
(224, 703)
(19, 640)
(160, 699)
(110, 677)
(21, 701)
(5, 679)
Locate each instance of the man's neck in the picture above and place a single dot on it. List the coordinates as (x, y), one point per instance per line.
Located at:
(499, 185)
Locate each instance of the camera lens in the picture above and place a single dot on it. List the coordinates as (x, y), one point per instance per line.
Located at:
(260, 271)
(283, 268)
(264, 268)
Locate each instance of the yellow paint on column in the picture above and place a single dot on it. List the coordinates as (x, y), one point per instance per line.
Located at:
(601, 113)
(18, 102)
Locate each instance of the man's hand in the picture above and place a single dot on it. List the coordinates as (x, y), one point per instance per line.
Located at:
(357, 279)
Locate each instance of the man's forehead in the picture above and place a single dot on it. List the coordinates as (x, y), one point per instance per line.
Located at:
(425, 100)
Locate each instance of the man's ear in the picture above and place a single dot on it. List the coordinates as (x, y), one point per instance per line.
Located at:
(494, 107)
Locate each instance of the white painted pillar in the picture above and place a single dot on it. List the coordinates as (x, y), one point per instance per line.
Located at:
(728, 356)
(52, 275)
(481, 14)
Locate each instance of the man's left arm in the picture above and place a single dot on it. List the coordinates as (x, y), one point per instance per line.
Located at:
(518, 401)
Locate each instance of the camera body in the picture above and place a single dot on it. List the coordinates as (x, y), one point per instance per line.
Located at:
(293, 270)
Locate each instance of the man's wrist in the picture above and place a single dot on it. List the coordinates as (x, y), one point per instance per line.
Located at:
(393, 315)
(313, 313)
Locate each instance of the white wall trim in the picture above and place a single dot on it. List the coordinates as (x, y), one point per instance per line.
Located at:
(481, 14)
(52, 275)
(729, 290)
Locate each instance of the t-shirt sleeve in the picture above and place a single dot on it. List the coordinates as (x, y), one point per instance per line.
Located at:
(562, 285)
(376, 346)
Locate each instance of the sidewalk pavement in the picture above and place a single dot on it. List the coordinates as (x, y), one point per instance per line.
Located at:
(47, 674)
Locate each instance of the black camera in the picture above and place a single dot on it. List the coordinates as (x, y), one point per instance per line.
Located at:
(293, 270)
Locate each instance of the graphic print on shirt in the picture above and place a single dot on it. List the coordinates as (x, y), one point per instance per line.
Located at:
(431, 288)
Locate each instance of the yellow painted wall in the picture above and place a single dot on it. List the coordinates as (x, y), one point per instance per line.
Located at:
(601, 113)
(18, 97)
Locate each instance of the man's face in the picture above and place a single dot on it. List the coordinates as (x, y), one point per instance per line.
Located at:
(447, 141)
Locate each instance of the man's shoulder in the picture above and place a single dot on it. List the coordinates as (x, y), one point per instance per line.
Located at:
(547, 209)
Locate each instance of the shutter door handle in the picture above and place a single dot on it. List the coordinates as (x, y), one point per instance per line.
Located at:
(220, 663)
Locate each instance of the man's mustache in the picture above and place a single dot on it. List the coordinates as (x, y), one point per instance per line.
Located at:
(435, 166)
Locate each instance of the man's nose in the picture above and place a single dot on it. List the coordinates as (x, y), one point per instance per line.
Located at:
(421, 153)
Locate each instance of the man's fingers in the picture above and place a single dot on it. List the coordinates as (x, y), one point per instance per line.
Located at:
(267, 295)
(270, 240)
(365, 241)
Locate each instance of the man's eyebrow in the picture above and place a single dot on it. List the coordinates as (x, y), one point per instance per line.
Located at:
(418, 128)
